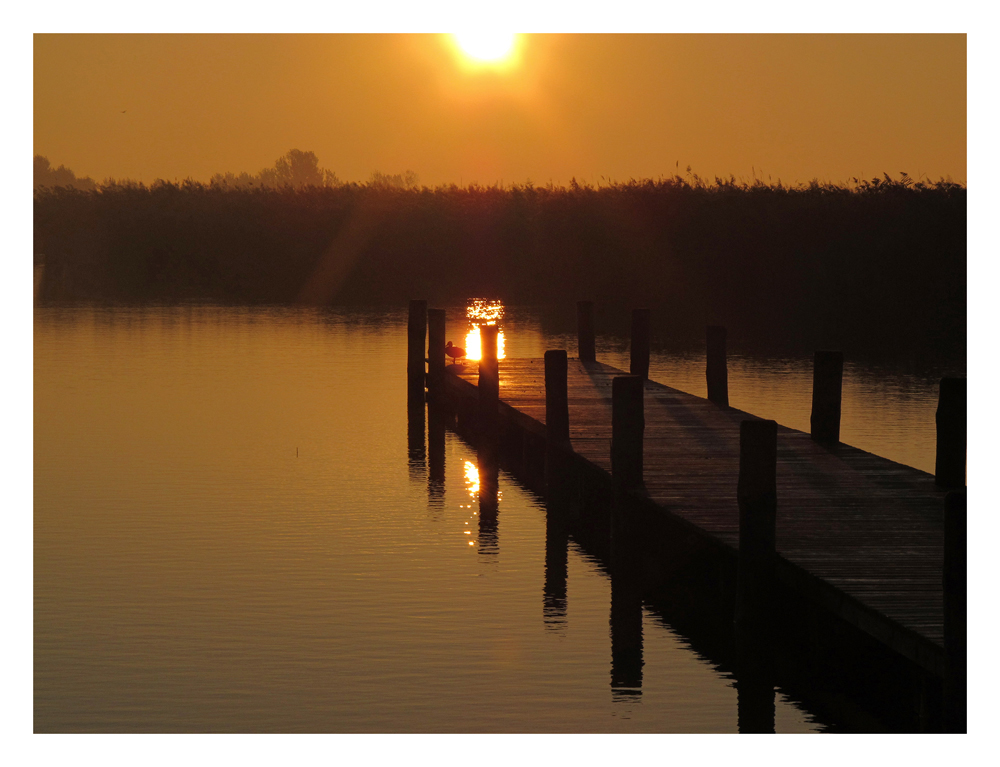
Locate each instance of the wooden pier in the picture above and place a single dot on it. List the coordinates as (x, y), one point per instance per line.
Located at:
(858, 537)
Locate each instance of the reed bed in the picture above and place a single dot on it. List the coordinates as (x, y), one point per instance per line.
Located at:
(829, 263)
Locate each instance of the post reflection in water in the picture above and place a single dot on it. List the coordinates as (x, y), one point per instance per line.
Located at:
(437, 419)
(489, 496)
(755, 680)
(556, 567)
(626, 610)
(415, 448)
(755, 704)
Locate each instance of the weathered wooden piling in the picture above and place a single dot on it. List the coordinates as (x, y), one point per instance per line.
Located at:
(489, 377)
(416, 336)
(639, 346)
(556, 396)
(757, 496)
(949, 466)
(585, 331)
(489, 366)
(488, 442)
(955, 634)
(716, 372)
(435, 350)
(558, 465)
(627, 427)
(828, 377)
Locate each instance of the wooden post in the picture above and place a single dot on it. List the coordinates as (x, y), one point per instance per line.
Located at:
(639, 348)
(416, 335)
(489, 370)
(955, 578)
(949, 468)
(556, 396)
(585, 330)
(828, 376)
(756, 495)
(558, 467)
(715, 366)
(489, 378)
(627, 426)
(488, 447)
(435, 350)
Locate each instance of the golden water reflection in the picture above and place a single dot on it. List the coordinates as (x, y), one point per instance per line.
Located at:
(472, 488)
(472, 479)
(481, 311)
(473, 348)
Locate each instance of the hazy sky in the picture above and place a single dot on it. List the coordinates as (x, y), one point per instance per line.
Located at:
(794, 107)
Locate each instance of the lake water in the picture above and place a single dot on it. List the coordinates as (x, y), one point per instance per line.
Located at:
(230, 536)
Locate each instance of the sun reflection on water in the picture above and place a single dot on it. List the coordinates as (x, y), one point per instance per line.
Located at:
(481, 311)
(472, 479)
(472, 488)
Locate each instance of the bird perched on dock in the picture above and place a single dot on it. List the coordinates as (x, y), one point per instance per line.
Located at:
(455, 352)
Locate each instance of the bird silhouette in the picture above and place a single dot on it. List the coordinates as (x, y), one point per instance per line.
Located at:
(455, 352)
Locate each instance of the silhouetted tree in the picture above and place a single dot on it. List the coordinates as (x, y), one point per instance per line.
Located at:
(295, 169)
(47, 176)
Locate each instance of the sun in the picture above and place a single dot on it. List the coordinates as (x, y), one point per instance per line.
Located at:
(486, 46)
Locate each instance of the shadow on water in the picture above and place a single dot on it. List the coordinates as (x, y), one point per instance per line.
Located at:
(842, 679)
(754, 680)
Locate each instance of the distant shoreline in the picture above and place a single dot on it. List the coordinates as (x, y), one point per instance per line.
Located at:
(823, 264)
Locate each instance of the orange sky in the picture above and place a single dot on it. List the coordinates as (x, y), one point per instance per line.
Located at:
(794, 107)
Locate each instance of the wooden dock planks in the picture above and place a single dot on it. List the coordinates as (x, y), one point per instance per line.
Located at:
(857, 532)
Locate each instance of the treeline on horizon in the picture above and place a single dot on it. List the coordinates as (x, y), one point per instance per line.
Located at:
(295, 169)
(880, 261)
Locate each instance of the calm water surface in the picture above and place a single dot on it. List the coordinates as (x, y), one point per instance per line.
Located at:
(229, 536)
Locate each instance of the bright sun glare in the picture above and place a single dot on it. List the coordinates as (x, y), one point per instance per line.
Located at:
(486, 45)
